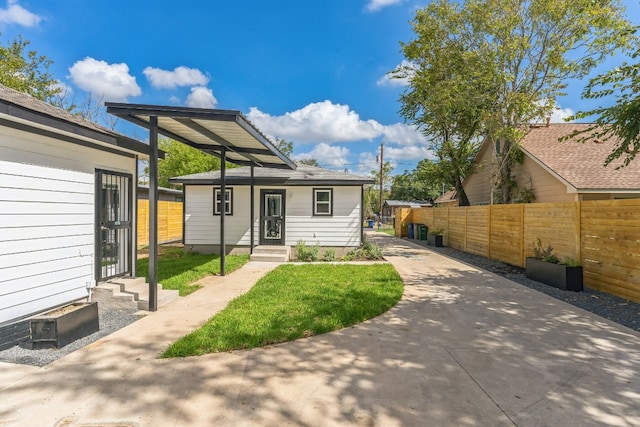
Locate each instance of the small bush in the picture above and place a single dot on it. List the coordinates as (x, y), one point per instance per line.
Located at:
(329, 255)
(306, 253)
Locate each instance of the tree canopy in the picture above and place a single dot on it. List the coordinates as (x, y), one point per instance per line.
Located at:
(485, 69)
(180, 159)
(621, 120)
(26, 71)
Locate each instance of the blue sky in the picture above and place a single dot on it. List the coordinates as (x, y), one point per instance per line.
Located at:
(311, 72)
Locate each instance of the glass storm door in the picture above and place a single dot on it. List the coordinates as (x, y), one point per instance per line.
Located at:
(114, 240)
(272, 208)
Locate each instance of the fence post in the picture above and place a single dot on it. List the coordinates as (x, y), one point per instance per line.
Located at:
(522, 260)
(489, 232)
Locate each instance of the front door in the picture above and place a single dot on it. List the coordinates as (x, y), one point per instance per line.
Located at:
(272, 214)
(113, 211)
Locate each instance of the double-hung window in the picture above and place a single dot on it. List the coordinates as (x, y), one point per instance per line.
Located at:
(322, 201)
(228, 201)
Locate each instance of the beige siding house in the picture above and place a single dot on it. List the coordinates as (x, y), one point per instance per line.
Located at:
(558, 171)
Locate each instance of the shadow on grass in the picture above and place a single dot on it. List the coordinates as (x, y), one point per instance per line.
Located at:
(179, 271)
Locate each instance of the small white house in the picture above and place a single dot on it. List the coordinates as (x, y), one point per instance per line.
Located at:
(311, 204)
(67, 205)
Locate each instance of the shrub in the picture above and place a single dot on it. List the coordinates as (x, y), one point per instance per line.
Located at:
(306, 253)
(329, 255)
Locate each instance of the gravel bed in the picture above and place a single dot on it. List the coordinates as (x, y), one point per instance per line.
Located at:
(110, 321)
(616, 309)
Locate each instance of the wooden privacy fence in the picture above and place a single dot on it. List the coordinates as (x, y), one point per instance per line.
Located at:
(603, 235)
(169, 221)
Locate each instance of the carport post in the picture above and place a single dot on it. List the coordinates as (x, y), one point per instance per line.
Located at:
(153, 213)
(223, 207)
(252, 207)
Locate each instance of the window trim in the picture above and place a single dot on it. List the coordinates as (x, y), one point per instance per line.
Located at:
(229, 191)
(315, 201)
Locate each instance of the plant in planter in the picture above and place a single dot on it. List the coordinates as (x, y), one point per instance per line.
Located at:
(546, 267)
(435, 238)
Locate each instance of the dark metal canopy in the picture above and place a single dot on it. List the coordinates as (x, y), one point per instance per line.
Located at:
(222, 133)
(208, 130)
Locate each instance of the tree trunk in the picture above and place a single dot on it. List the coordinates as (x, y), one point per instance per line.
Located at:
(463, 200)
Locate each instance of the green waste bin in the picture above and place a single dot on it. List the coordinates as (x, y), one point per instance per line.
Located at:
(422, 232)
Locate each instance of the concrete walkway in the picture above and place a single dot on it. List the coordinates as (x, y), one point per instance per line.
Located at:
(463, 347)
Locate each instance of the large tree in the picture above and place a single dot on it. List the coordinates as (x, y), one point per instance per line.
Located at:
(27, 71)
(621, 120)
(527, 49)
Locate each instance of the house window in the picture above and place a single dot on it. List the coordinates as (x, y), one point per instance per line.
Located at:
(323, 201)
(228, 201)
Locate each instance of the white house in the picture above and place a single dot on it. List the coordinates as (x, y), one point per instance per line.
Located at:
(311, 204)
(67, 206)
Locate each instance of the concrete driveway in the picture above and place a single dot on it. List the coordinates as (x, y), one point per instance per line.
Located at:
(463, 348)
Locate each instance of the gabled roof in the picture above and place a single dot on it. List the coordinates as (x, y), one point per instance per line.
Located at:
(303, 175)
(19, 110)
(447, 197)
(580, 165)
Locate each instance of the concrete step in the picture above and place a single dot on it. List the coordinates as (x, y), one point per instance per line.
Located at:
(269, 253)
(141, 295)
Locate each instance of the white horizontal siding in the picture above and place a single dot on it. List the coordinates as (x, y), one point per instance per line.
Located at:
(341, 229)
(46, 237)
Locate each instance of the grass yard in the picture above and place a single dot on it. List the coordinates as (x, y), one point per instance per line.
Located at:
(388, 229)
(178, 270)
(295, 301)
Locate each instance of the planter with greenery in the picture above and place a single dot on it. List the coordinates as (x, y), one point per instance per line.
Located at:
(545, 267)
(435, 238)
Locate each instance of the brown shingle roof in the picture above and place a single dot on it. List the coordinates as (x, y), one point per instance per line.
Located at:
(580, 164)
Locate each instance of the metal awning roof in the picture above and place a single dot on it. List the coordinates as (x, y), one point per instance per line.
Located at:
(208, 130)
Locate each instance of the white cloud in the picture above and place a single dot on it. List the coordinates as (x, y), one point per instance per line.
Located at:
(16, 14)
(400, 133)
(376, 5)
(367, 162)
(326, 155)
(412, 153)
(108, 82)
(407, 67)
(327, 122)
(201, 97)
(180, 76)
(559, 114)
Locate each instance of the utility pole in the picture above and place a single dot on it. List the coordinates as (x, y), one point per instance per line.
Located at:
(381, 177)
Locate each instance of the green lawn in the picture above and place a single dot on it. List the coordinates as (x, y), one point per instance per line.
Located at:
(179, 270)
(386, 229)
(295, 301)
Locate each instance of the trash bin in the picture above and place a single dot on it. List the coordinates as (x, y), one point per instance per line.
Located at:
(411, 234)
(370, 223)
(422, 232)
(415, 231)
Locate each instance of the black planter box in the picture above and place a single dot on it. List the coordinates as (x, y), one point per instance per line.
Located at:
(435, 240)
(65, 325)
(557, 275)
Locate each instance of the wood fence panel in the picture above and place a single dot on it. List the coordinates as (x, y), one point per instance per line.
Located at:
(553, 224)
(506, 234)
(441, 221)
(456, 228)
(478, 230)
(169, 221)
(610, 246)
(403, 217)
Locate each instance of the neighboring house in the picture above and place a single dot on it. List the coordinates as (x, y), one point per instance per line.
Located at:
(448, 199)
(67, 205)
(553, 171)
(166, 194)
(309, 204)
